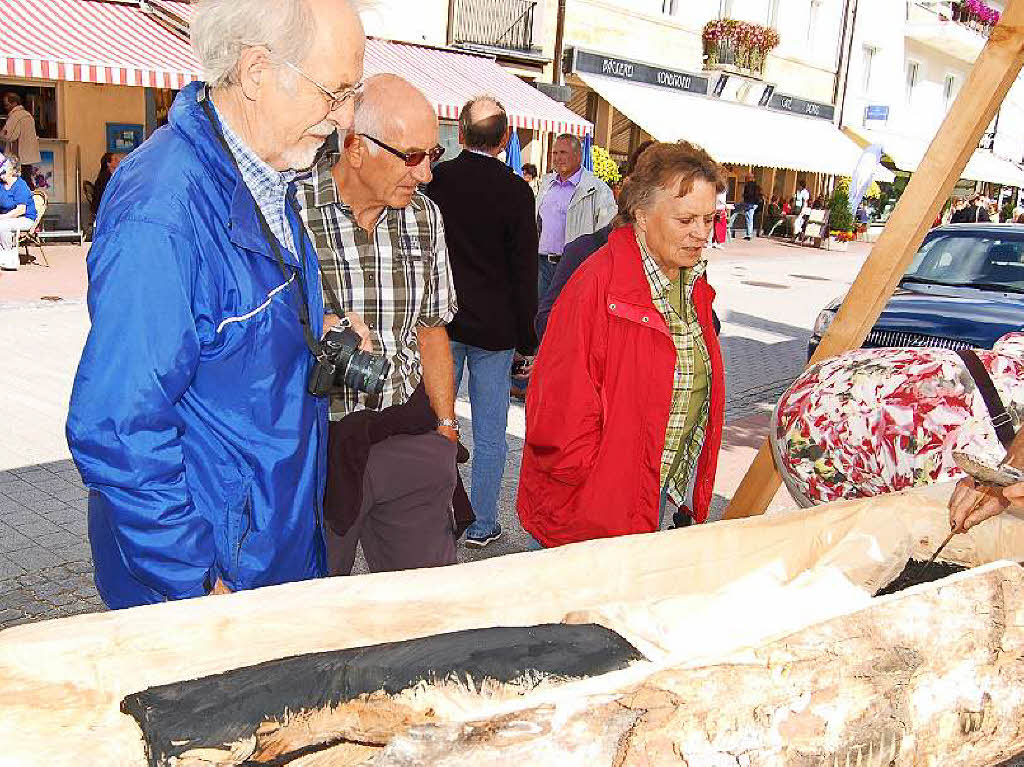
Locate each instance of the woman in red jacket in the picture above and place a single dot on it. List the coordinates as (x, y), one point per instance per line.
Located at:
(625, 406)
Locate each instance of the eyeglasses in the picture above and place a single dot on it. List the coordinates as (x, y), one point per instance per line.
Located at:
(411, 159)
(334, 99)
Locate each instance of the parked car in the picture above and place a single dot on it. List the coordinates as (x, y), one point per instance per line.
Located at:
(962, 290)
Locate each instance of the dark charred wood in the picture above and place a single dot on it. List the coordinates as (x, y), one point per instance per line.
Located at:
(218, 710)
(918, 571)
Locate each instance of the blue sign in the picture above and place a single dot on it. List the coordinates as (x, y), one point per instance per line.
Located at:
(876, 113)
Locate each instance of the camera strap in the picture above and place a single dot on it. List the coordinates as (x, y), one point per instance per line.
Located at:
(296, 272)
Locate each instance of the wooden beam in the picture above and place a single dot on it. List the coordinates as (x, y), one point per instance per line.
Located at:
(986, 87)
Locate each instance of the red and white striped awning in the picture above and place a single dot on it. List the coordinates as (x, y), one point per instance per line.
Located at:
(451, 79)
(92, 41)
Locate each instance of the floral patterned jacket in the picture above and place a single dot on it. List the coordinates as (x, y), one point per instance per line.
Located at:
(874, 421)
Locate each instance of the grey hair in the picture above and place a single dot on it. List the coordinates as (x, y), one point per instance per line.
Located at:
(222, 30)
(14, 162)
(577, 145)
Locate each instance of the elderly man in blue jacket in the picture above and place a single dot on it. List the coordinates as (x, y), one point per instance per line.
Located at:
(190, 419)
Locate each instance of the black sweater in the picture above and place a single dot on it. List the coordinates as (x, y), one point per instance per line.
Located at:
(491, 231)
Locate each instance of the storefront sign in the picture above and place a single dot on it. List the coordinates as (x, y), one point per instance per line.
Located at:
(634, 71)
(800, 106)
(874, 112)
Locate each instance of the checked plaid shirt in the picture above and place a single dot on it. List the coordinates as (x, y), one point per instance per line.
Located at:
(688, 416)
(269, 187)
(397, 277)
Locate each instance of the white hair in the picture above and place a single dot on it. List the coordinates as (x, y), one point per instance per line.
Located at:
(221, 31)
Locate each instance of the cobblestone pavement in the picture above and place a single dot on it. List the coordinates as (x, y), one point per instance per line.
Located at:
(767, 299)
(45, 565)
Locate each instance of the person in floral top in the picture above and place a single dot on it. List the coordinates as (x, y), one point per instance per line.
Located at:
(874, 421)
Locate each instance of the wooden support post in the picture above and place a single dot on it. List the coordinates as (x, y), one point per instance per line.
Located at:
(986, 87)
(604, 123)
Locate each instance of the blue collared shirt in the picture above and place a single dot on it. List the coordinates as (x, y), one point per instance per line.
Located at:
(269, 187)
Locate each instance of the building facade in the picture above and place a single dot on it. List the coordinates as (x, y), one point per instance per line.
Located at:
(909, 61)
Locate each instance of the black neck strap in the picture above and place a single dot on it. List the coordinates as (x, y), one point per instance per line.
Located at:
(288, 271)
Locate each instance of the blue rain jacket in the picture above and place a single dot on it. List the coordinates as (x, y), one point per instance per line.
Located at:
(189, 419)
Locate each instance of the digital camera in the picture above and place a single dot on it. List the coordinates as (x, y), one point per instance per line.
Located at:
(344, 365)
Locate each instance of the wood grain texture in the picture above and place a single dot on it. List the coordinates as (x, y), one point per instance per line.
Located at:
(61, 682)
(931, 676)
(229, 707)
(930, 186)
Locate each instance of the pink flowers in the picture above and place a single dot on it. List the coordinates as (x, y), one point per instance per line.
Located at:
(749, 43)
(977, 11)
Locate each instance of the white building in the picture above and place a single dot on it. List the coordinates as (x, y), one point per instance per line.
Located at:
(908, 61)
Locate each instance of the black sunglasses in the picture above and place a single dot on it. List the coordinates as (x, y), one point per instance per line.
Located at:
(411, 159)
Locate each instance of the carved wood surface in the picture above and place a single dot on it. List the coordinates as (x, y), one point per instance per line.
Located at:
(62, 682)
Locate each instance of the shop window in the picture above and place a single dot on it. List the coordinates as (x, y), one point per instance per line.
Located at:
(158, 105)
(949, 90)
(449, 133)
(913, 70)
(869, 64)
(41, 102)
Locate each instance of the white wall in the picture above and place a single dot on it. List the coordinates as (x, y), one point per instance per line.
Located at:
(415, 21)
(882, 24)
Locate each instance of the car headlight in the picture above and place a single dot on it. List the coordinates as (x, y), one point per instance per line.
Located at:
(824, 322)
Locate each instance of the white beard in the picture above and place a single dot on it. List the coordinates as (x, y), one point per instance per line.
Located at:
(301, 156)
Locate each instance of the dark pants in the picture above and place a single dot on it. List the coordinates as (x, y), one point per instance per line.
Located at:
(405, 520)
(28, 173)
(545, 273)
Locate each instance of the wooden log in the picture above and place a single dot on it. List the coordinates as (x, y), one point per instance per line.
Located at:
(62, 682)
(987, 85)
(209, 712)
(929, 676)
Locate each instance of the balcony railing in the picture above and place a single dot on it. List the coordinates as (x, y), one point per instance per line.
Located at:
(726, 55)
(949, 11)
(506, 24)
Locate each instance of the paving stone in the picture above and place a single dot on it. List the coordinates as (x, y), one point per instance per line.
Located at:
(30, 579)
(58, 539)
(8, 478)
(13, 541)
(26, 494)
(39, 528)
(71, 493)
(9, 568)
(46, 505)
(6, 616)
(33, 558)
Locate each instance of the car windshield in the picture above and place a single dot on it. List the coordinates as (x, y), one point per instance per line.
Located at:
(994, 262)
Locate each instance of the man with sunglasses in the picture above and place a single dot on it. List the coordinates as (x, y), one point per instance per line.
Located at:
(190, 418)
(380, 242)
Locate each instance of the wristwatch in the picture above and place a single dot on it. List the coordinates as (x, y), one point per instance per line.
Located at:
(451, 423)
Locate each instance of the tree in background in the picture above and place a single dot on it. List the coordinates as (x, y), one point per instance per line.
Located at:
(840, 218)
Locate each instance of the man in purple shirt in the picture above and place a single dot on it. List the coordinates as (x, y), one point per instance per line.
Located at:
(571, 202)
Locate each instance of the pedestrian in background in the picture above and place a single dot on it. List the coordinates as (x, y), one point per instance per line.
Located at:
(17, 211)
(625, 410)
(572, 201)
(391, 458)
(108, 164)
(492, 241)
(751, 201)
(190, 419)
(582, 248)
(19, 136)
(530, 177)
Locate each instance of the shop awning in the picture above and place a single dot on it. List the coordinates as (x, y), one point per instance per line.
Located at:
(907, 152)
(735, 133)
(92, 41)
(451, 79)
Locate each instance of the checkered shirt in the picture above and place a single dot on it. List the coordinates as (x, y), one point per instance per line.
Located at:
(397, 278)
(689, 340)
(269, 187)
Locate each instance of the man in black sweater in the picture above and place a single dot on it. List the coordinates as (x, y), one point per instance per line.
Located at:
(492, 244)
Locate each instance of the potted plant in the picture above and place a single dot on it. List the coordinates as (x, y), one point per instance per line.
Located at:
(840, 219)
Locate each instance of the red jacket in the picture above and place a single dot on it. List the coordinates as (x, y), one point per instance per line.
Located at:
(598, 405)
